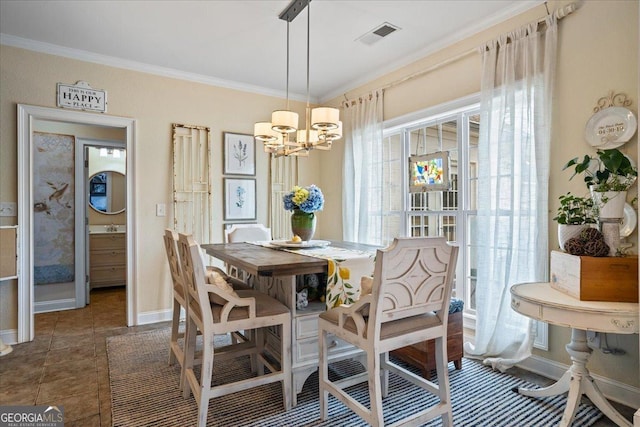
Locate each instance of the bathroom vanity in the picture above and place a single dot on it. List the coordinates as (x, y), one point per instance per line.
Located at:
(107, 257)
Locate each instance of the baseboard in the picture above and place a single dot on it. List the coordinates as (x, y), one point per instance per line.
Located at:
(54, 305)
(9, 336)
(613, 390)
(149, 317)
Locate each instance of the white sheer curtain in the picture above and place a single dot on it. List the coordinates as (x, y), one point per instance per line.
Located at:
(361, 172)
(511, 233)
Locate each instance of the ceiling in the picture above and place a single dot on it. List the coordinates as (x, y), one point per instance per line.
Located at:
(242, 44)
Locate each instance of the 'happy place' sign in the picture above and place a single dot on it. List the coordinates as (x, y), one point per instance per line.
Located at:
(82, 97)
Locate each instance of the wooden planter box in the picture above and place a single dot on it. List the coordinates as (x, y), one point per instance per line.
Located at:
(612, 279)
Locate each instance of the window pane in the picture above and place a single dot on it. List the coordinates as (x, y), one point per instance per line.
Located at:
(472, 262)
(472, 150)
(391, 211)
(431, 225)
(449, 136)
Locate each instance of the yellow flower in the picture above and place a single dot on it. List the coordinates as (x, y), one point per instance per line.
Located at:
(344, 273)
(300, 195)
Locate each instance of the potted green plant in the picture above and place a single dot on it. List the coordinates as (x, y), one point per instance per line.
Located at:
(608, 175)
(574, 214)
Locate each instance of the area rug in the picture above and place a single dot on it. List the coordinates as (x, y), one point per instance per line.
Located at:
(144, 392)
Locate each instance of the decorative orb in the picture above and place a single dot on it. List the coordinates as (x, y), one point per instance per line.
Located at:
(590, 234)
(574, 246)
(596, 248)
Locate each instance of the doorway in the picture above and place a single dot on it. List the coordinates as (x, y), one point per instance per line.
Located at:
(28, 117)
(104, 230)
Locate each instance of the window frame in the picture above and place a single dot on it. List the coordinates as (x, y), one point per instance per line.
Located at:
(458, 110)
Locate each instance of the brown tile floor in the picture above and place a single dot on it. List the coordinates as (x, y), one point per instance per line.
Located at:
(66, 364)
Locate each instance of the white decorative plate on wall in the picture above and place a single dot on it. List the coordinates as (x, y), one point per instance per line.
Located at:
(629, 221)
(610, 127)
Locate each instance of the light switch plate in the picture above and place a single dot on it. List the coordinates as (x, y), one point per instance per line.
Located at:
(8, 209)
(161, 209)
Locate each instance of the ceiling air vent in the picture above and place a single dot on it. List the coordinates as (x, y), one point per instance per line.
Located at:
(377, 33)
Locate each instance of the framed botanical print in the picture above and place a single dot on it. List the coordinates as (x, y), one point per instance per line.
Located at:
(239, 199)
(239, 154)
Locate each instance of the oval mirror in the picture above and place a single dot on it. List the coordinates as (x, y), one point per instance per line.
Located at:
(108, 192)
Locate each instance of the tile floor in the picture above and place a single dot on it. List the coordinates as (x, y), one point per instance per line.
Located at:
(66, 364)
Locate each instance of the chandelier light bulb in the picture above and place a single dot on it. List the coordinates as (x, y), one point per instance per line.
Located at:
(262, 132)
(325, 118)
(284, 121)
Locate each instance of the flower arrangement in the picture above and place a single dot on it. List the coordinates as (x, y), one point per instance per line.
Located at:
(307, 199)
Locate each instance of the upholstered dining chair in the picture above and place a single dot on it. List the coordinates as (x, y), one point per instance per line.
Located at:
(245, 233)
(409, 303)
(215, 310)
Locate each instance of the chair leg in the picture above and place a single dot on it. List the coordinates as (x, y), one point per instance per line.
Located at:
(323, 375)
(375, 390)
(288, 392)
(175, 325)
(188, 355)
(259, 336)
(384, 374)
(442, 371)
(205, 379)
(251, 336)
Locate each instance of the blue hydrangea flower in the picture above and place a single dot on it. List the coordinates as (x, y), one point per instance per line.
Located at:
(314, 200)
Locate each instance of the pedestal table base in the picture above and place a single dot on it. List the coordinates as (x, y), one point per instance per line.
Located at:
(577, 382)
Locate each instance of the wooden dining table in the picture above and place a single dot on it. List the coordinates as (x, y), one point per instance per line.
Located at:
(275, 272)
(270, 262)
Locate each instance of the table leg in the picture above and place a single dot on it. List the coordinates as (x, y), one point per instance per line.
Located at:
(559, 387)
(577, 381)
(592, 391)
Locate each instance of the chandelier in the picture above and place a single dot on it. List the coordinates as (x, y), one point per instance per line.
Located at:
(281, 136)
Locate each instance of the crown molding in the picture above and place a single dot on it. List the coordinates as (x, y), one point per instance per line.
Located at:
(432, 48)
(110, 61)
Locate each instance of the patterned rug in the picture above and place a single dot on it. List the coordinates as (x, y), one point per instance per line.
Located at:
(144, 392)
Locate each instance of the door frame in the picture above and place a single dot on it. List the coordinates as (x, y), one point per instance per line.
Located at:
(27, 114)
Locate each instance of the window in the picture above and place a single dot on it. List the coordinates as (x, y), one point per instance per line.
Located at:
(450, 131)
(451, 212)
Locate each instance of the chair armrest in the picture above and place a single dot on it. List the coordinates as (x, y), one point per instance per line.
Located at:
(232, 301)
(355, 312)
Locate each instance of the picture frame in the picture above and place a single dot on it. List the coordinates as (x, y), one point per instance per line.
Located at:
(429, 172)
(239, 199)
(239, 154)
(98, 188)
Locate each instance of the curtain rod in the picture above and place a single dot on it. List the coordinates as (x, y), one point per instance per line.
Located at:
(559, 14)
